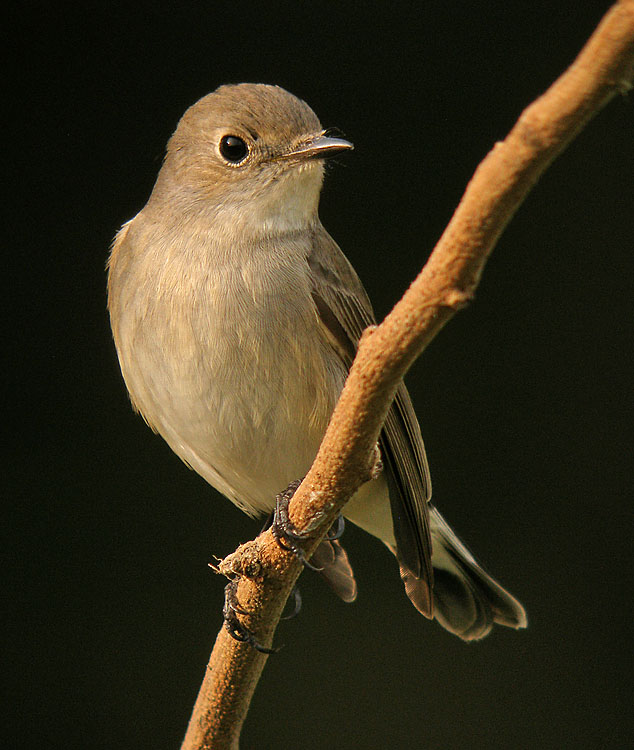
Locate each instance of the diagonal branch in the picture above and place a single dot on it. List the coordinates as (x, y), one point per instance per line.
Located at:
(604, 67)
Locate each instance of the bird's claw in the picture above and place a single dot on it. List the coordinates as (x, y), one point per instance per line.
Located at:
(336, 530)
(287, 536)
(232, 623)
(298, 604)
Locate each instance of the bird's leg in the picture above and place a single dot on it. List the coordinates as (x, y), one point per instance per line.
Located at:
(287, 536)
(269, 520)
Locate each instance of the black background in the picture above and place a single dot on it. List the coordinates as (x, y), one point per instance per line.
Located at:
(525, 398)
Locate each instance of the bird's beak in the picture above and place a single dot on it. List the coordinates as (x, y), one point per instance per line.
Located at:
(319, 146)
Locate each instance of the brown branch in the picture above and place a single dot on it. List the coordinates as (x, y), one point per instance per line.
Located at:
(448, 281)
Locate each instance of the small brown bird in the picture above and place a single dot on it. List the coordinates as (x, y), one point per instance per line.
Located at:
(236, 317)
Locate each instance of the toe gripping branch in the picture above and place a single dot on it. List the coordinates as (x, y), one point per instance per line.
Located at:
(235, 628)
(240, 632)
(287, 535)
(289, 539)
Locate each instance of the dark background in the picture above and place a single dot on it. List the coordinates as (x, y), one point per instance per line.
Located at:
(525, 399)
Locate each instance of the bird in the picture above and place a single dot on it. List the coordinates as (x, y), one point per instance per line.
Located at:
(236, 318)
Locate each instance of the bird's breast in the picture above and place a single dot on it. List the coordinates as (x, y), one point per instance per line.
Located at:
(225, 357)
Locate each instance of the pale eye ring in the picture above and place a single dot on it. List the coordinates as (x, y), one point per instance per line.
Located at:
(233, 149)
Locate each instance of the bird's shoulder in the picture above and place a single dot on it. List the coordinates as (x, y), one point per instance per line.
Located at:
(337, 290)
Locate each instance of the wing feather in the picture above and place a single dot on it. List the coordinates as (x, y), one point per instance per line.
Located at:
(345, 311)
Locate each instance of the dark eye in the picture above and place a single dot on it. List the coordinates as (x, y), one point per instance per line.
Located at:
(233, 149)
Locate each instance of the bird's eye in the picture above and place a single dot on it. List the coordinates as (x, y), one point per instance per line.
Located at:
(233, 149)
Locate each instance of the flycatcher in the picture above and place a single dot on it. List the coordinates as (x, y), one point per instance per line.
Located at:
(236, 317)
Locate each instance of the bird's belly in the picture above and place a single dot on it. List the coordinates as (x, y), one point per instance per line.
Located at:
(245, 407)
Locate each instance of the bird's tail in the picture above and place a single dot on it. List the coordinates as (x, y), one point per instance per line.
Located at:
(467, 601)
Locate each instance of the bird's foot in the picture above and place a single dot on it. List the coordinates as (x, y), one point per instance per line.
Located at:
(236, 629)
(286, 534)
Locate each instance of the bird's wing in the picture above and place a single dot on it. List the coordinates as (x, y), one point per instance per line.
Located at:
(345, 311)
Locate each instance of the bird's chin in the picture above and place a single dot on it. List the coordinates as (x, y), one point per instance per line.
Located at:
(287, 204)
(290, 203)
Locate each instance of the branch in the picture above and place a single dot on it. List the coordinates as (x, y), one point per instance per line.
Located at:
(604, 67)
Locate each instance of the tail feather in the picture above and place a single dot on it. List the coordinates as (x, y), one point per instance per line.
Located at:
(467, 600)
